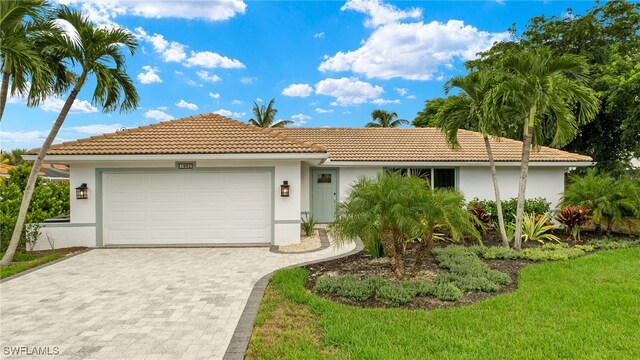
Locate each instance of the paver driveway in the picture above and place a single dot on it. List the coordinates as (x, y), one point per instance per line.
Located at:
(146, 303)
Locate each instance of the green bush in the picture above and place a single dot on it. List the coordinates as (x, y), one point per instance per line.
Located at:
(308, 224)
(539, 254)
(419, 288)
(49, 199)
(466, 271)
(499, 252)
(348, 286)
(447, 292)
(395, 295)
(534, 206)
(612, 244)
(373, 245)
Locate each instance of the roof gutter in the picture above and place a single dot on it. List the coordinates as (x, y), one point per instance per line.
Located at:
(330, 163)
(172, 157)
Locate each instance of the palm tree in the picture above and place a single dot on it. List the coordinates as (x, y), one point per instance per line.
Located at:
(383, 118)
(544, 91)
(21, 22)
(14, 157)
(386, 206)
(93, 51)
(469, 107)
(442, 210)
(266, 115)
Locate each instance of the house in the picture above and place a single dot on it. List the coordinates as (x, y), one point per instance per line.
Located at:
(48, 172)
(208, 179)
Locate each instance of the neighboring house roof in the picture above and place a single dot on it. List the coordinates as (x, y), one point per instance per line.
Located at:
(200, 134)
(215, 134)
(52, 171)
(419, 144)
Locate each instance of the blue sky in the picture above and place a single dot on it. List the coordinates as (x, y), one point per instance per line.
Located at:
(327, 64)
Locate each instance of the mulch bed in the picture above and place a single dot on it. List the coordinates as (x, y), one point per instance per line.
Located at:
(362, 265)
(64, 251)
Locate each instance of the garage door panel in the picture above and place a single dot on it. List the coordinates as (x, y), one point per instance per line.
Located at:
(187, 208)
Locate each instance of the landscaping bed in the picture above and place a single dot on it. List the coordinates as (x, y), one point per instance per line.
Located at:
(23, 261)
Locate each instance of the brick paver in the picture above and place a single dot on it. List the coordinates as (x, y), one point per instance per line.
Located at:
(144, 303)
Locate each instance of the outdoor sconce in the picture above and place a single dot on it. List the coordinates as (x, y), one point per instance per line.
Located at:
(82, 192)
(284, 189)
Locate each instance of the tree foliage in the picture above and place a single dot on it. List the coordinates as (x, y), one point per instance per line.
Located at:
(265, 116)
(385, 119)
(608, 37)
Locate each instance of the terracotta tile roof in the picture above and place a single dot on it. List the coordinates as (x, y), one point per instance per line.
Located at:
(200, 134)
(47, 170)
(418, 144)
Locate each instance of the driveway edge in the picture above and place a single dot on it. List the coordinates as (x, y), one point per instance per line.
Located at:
(22, 273)
(242, 334)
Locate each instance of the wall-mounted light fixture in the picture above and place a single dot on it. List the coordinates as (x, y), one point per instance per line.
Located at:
(82, 192)
(284, 189)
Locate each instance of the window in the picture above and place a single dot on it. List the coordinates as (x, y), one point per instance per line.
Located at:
(442, 178)
(324, 178)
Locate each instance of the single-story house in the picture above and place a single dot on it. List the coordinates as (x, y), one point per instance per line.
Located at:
(207, 179)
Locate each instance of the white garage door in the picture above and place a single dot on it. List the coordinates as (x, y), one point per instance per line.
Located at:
(187, 208)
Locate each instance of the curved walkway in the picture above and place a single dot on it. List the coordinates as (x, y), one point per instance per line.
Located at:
(140, 303)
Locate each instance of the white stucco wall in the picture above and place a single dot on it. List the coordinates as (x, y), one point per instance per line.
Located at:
(349, 175)
(83, 212)
(546, 182)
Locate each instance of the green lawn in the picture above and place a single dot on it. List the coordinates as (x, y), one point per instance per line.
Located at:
(587, 308)
(25, 261)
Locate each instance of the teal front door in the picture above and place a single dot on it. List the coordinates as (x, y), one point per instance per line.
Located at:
(324, 194)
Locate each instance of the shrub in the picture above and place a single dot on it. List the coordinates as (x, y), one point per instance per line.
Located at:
(373, 245)
(500, 252)
(49, 199)
(447, 292)
(395, 295)
(482, 215)
(609, 199)
(466, 271)
(419, 288)
(537, 228)
(612, 244)
(308, 224)
(540, 254)
(573, 218)
(531, 206)
(348, 286)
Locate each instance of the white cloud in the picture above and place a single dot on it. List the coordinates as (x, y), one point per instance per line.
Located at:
(158, 115)
(173, 51)
(412, 51)
(211, 60)
(102, 11)
(382, 101)
(259, 100)
(214, 95)
(193, 83)
(55, 104)
(229, 113)
(323, 111)
(22, 136)
(248, 80)
(380, 13)
(300, 119)
(96, 129)
(298, 90)
(402, 91)
(319, 35)
(236, 102)
(411, 97)
(348, 91)
(204, 75)
(347, 112)
(185, 105)
(150, 75)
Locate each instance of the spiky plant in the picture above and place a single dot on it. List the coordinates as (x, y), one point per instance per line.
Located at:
(479, 212)
(538, 228)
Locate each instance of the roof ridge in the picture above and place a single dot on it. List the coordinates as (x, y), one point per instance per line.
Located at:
(275, 133)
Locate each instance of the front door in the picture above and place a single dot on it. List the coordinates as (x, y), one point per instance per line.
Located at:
(324, 194)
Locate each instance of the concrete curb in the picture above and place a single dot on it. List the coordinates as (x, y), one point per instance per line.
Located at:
(44, 265)
(242, 334)
(324, 243)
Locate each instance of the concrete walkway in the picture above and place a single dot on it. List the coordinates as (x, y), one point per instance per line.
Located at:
(153, 303)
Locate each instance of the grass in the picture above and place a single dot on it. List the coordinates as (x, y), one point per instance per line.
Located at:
(26, 261)
(585, 308)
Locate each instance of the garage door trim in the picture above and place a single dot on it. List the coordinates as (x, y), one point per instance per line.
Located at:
(101, 171)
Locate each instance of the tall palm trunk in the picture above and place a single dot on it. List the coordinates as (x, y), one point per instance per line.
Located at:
(496, 189)
(4, 92)
(524, 171)
(28, 191)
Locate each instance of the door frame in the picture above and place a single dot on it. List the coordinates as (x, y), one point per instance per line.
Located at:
(311, 169)
(139, 170)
